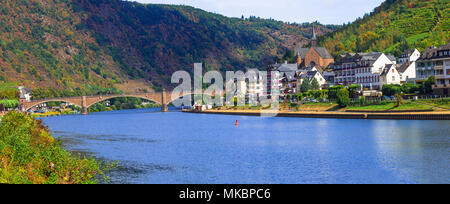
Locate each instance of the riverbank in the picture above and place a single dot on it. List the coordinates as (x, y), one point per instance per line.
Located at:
(55, 113)
(30, 155)
(432, 115)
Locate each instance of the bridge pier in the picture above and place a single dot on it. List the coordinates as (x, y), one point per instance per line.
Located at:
(164, 107)
(84, 108)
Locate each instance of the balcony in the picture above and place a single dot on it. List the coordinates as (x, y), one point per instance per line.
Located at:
(440, 67)
(440, 76)
(440, 86)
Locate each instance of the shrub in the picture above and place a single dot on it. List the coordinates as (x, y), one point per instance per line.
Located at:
(353, 90)
(343, 97)
(29, 154)
(332, 91)
(362, 100)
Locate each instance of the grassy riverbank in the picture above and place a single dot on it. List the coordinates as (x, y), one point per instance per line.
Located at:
(409, 106)
(431, 105)
(30, 155)
(382, 106)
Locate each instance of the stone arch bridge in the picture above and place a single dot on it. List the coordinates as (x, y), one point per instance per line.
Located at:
(87, 101)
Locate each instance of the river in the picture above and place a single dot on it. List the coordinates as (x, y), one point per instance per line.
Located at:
(183, 148)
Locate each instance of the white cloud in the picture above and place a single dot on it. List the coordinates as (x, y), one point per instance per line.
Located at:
(325, 11)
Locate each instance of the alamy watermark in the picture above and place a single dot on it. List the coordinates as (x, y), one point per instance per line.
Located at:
(250, 89)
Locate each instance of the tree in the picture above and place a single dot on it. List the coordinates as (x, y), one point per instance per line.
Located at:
(343, 97)
(306, 86)
(427, 86)
(399, 99)
(315, 84)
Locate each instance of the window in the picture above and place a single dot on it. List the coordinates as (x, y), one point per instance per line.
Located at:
(393, 78)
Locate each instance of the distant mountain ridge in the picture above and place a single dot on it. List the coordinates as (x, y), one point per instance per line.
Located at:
(94, 44)
(394, 26)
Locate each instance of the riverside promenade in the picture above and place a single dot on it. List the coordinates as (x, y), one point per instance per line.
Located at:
(432, 115)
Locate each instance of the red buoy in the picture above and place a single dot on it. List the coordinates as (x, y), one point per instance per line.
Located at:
(237, 123)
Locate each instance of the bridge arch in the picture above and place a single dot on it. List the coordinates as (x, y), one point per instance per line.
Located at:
(104, 98)
(74, 101)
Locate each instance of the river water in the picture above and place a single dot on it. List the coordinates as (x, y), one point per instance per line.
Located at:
(183, 148)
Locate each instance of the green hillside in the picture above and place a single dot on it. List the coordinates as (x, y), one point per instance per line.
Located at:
(99, 45)
(394, 26)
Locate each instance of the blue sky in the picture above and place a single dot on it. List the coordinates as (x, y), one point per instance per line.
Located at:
(324, 11)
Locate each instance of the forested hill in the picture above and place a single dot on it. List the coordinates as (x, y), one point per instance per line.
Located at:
(97, 44)
(394, 26)
(152, 41)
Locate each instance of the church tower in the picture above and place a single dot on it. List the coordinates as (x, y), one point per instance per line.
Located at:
(314, 37)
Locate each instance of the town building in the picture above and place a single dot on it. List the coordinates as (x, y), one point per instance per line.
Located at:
(362, 68)
(287, 76)
(310, 76)
(25, 93)
(389, 75)
(435, 62)
(273, 80)
(407, 72)
(255, 85)
(292, 77)
(407, 65)
(409, 56)
(314, 56)
(329, 76)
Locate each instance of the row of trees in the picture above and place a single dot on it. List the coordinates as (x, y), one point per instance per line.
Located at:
(8, 104)
(308, 86)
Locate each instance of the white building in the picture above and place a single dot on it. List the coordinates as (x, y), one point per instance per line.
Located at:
(255, 85)
(407, 72)
(409, 56)
(390, 75)
(362, 68)
(25, 93)
(252, 83)
(310, 76)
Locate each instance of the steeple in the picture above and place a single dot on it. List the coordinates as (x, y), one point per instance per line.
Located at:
(314, 37)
